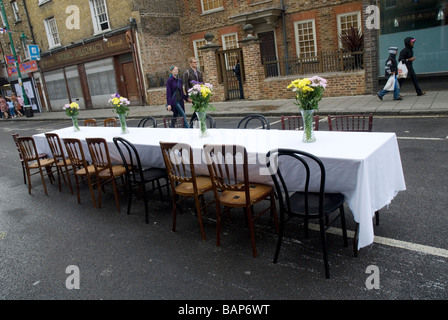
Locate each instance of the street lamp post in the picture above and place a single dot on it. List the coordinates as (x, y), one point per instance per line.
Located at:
(16, 63)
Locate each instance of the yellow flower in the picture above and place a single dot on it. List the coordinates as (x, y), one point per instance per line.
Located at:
(116, 101)
(74, 105)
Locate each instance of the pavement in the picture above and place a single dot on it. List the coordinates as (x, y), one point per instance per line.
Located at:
(432, 103)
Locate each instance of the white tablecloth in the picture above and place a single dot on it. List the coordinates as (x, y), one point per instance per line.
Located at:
(364, 166)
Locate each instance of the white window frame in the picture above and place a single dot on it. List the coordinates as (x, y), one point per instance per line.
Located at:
(41, 2)
(212, 10)
(223, 39)
(96, 23)
(51, 40)
(3, 19)
(358, 13)
(24, 42)
(196, 52)
(296, 33)
(15, 10)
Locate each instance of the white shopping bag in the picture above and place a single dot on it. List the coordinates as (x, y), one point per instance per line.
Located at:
(402, 70)
(390, 84)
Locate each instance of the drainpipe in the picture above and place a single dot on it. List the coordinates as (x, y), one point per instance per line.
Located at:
(29, 22)
(285, 42)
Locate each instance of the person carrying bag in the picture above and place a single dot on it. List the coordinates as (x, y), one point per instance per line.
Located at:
(391, 72)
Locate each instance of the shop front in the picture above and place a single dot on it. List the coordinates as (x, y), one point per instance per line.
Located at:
(89, 73)
(427, 22)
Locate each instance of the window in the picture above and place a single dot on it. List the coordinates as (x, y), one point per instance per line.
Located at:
(348, 20)
(209, 5)
(15, 9)
(305, 39)
(100, 18)
(43, 1)
(198, 53)
(52, 32)
(230, 41)
(25, 48)
(3, 19)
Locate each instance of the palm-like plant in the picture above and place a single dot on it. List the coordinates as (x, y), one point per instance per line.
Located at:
(352, 40)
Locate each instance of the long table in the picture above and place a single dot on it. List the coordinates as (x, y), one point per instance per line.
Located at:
(364, 166)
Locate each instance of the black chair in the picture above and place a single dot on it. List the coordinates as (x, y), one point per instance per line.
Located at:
(211, 123)
(147, 122)
(136, 175)
(305, 204)
(258, 118)
(173, 122)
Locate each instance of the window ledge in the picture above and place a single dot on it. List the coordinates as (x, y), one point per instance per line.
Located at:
(212, 11)
(43, 2)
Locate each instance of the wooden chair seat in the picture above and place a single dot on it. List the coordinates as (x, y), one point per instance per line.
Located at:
(116, 171)
(238, 198)
(83, 171)
(43, 163)
(203, 183)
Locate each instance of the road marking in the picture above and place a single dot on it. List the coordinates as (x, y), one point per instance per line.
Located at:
(391, 242)
(421, 138)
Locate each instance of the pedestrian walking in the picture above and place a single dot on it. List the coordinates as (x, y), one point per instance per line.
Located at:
(237, 72)
(192, 74)
(175, 95)
(391, 70)
(11, 108)
(4, 107)
(407, 57)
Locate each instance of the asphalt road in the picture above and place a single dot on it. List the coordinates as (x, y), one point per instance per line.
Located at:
(120, 257)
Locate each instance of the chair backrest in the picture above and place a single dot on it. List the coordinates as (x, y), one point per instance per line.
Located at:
(75, 152)
(90, 123)
(306, 165)
(151, 121)
(55, 146)
(296, 122)
(228, 167)
(173, 122)
(350, 122)
(99, 153)
(110, 122)
(131, 158)
(28, 149)
(257, 118)
(15, 137)
(178, 158)
(211, 123)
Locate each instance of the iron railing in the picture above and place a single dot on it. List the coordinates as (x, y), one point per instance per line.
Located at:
(326, 61)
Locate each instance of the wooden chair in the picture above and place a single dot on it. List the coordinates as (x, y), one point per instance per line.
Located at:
(33, 162)
(62, 162)
(81, 168)
(359, 123)
(151, 121)
(306, 205)
(105, 171)
(178, 158)
(15, 137)
(110, 122)
(228, 169)
(90, 123)
(173, 122)
(259, 119)
(138, 176)
(296, 122)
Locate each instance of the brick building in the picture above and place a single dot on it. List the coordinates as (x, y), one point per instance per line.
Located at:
(92, 48)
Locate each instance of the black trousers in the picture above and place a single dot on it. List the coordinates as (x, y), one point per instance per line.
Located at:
(413, 76)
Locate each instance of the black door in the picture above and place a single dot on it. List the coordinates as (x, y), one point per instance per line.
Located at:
(267, 48)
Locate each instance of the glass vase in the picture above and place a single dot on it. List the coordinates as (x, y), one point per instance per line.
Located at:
(308, 126)
(123, 125)
(75, 123)
(202, 117)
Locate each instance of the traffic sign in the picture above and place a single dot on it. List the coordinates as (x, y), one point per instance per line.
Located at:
(34, 52)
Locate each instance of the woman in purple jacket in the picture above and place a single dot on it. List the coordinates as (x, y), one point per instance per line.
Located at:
(175, 96)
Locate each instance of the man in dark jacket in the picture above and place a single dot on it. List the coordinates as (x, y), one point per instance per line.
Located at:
(192, 74)
(407, 57)
(391, 70)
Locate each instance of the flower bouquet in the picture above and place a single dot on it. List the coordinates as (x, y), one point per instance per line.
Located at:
(308, 93)
(200, 95)
(121, 107)
(72, 110)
